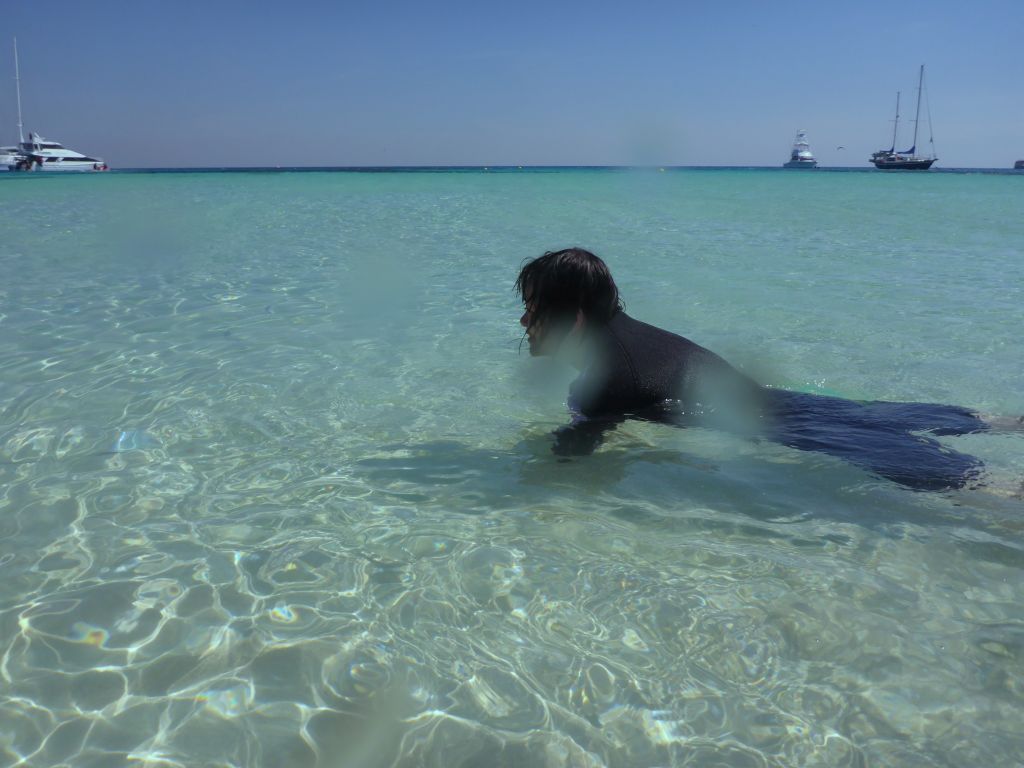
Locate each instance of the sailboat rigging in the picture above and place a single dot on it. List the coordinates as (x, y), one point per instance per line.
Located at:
(907, 160)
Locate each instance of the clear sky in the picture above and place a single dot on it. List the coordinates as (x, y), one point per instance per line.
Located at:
(184, 83)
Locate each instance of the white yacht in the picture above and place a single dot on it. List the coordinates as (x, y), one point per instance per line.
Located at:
(9, 158)
(801, 156)
(39, 154)
(45, 155)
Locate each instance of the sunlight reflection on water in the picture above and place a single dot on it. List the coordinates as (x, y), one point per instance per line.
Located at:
(262, 506)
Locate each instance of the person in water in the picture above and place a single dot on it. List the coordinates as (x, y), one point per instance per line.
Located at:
(630, 369)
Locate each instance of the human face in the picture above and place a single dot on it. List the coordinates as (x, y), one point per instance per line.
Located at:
(533, 334)
(543, 337)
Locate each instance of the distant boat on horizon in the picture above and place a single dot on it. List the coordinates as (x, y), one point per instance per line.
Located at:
(9, 157)
(39, 154)
(1019, 165)
(801, 156)
(908, 160)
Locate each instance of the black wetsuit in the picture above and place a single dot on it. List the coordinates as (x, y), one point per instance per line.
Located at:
(640, 371)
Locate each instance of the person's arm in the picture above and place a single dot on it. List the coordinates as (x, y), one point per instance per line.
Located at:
(583, 436)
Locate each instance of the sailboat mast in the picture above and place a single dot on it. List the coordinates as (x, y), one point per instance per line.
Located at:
(917, 115)
(17, 87)
(931, 130)
(896, 122)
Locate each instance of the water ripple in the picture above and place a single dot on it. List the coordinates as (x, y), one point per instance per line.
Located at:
(276, 490)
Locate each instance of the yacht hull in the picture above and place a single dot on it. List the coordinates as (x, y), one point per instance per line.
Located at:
(801, 164)
(60, 166)
(68, 168)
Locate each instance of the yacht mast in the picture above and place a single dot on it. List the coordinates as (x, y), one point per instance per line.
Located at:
(917, 116)
(17, 86)
(896, 122)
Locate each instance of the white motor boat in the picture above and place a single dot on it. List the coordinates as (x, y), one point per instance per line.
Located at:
(801, 156)
(9, 158)
(41, 154)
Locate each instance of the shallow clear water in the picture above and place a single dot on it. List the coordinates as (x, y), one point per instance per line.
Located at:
(276, 485)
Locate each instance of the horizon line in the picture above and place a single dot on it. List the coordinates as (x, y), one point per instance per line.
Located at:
(497, 167)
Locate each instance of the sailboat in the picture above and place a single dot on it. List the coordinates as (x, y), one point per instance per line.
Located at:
(890, 159)
(801, 156)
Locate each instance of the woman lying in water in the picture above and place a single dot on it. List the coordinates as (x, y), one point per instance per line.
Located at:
(630, 369)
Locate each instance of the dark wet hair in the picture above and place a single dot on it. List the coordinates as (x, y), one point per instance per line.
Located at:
(559, 283)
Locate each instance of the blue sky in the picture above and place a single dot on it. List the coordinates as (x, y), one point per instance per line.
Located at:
(393, 83)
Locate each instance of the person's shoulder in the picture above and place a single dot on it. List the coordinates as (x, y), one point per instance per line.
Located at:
(625, 327)
(654, 346)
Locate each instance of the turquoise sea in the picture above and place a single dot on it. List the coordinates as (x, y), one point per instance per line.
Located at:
(276, 481)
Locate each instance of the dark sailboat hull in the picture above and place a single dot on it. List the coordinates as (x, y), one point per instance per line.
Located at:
(904, 165)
